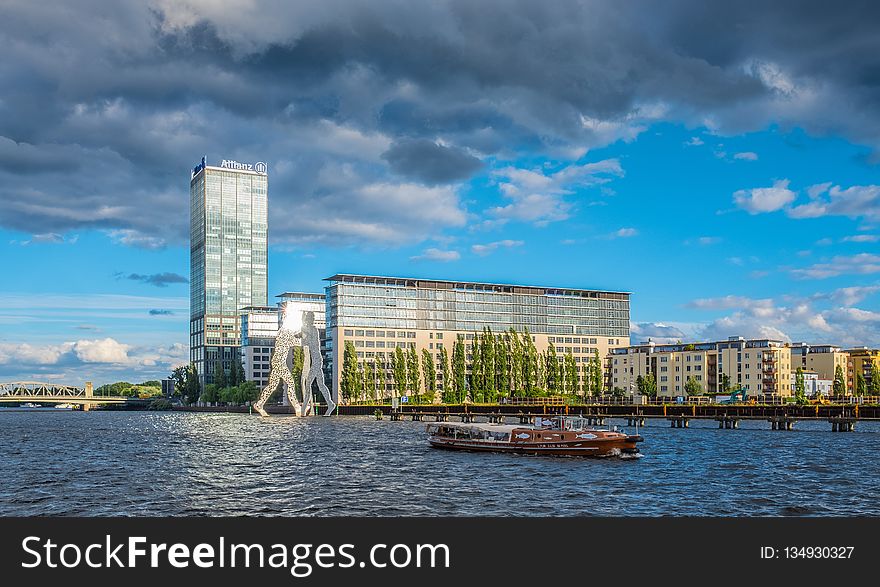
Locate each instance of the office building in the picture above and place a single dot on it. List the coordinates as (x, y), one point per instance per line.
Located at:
(228, 224)
(378, 314)
(761, 367)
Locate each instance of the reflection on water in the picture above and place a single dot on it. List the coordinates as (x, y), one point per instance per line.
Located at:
(147, 463)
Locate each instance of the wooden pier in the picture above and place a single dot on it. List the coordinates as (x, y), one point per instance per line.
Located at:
(842, 417)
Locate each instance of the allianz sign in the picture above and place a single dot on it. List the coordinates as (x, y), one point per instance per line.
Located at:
(259, 167)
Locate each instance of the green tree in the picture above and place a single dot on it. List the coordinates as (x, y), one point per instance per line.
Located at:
(219, 375)
(650, 385)
(296, 371)
(178, 375)
(552, 370)
(531, 364)
(459, 369)
(839, 387)
(799, 387)
(861, 385)
(412, 371)
(236, 373)
(572, 386)
(370, 380)
(192, 388)
(725, 383)
(640, 384)
(502, 364)
(398, 370)
(487, 353)
(476, 369)
(446, 376)
(874, 384)
(350, 374)
(597, 373)
(693, 387)
(429, 375)
(516, 363)
(211, 394)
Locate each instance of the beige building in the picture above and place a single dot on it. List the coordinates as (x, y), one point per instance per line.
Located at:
(378, 314)
(861, 360)
(761, 367)
(823, 359)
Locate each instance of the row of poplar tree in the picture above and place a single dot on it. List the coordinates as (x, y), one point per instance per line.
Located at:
(487, 369)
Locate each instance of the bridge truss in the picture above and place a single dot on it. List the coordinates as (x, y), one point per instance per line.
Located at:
(31, 389)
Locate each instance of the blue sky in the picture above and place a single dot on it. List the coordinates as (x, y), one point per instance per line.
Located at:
(732, 187)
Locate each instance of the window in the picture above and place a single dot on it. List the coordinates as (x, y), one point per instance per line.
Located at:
(348, 332)
(371, 333)
(358, 332)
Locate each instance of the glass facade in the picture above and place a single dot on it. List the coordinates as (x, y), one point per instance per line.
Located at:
(429, 305)
(228, 226)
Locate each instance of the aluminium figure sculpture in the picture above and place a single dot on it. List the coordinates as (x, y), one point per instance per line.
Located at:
(284, 344)
(313, 365)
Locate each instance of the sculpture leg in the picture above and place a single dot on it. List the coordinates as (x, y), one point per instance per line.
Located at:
(328, 397)
(291, 390)
(267, 392)
(305, 382)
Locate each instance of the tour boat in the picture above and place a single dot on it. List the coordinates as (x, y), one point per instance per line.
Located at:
(559, 436)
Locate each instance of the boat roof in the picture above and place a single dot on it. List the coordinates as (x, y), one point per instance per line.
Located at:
(481, 426)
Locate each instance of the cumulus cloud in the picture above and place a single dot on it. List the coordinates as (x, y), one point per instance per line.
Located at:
(434, 254)
(134, 93)
(539, 196)
(626, 232)
(430, 162)
(97, 360)
(860, 201)
(746, 156)
(656, 331)
(758, 200)
(486, 249)
(694, 142)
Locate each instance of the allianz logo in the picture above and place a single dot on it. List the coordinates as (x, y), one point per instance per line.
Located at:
(258, 167)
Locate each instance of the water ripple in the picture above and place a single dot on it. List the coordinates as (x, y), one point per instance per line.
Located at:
(150, 464)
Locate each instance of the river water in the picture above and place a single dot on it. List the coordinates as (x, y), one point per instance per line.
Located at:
(104, 463)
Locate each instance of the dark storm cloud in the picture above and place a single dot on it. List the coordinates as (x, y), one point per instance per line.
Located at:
(158, 279)
(107, 105)
(429, 162)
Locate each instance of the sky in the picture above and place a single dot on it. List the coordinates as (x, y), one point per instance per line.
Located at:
(718, 160)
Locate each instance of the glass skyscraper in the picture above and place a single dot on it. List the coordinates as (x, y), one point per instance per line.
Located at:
(228, 225)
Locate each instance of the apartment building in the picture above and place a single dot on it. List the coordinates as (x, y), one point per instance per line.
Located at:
(761, 367)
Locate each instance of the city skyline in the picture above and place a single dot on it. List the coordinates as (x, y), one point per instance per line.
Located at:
(731, 184)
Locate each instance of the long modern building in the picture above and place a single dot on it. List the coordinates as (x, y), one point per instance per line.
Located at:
(228, 226)
(378, 314)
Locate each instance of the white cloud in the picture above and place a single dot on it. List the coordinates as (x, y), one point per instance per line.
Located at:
(746, 156)
(133, 238)
(486, 249)
(434, 254)
(759, 200)
(860, 201)
(540, 198)
(106, 350)
(861, 238)
(860, 264)
(694, 142)
(626, 232)
(731, 302)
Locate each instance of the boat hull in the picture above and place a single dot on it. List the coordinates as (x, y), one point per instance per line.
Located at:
(596, 448)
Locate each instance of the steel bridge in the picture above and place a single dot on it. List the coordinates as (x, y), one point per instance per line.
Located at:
(54, 393)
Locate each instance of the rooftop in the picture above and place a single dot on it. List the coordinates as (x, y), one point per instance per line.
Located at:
(468, 285)
(302, 295)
